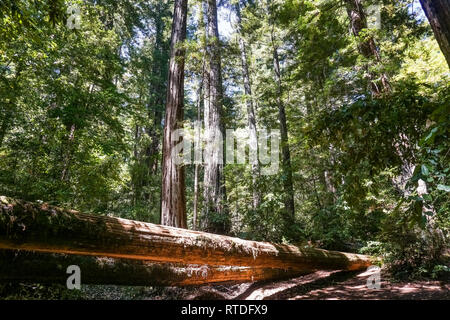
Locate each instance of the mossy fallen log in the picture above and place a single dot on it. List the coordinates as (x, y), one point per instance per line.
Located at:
(45, 228)
(48, 268)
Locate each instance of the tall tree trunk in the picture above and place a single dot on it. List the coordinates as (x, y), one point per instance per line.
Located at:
(196, 196)
(367, 48)
(438, 13)
(156, 98)
(250, 113)
(215, 214)
(173, 204)
(4, 126)
(157, 87)
(68, 153)
(7, 108)
(200, 105)
(288, 187)
(197, 136)
(289, 217)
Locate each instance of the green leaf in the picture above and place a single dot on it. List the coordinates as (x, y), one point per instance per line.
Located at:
(443, 188)
(425, 170)
(423, 221)
(432, 133)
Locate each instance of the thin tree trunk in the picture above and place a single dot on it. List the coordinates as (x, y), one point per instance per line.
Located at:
(196, 193)
(438, 14)
(7, 108)
(68, 153)
(156, 100)
(367, 48)
(288, 187)
(215, 214)
(200, 105)
(289, 217)
(4, 127)
(250, 113)
(157, 91)
(173, 204)
(197, 136)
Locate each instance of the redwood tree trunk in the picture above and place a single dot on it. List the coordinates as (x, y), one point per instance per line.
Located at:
(157, 87)
(197, 136)
(173, 204)
(215, 216)
(200, 107)
(438, 13)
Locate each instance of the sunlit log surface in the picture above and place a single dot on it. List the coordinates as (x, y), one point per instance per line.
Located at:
(45, 228)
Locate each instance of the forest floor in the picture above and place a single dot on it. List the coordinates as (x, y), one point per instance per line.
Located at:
(334, 285)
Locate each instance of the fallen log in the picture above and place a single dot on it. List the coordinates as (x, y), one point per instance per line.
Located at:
(48, 268)
(45, 228)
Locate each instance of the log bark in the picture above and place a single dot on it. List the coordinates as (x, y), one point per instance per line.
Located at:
(45, 228)
(438, 14)
(25, 266)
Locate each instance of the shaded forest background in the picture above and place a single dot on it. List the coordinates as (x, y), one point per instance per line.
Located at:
(366, 108)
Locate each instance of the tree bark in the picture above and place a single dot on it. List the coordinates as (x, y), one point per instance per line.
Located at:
(367, 48)
(215, 215)
(197, 136)
(4, 126)
(157, 87)
(197, 165)
(173, 204)
(200, 106)
(68, 153)
(45, 228)
(288, 185)
(8, 108)
(438, 14)
(250, 113)
(25, 266)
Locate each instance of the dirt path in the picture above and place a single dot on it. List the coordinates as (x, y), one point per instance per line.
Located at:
(349, 286)
(324, 285)
(335, 285)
